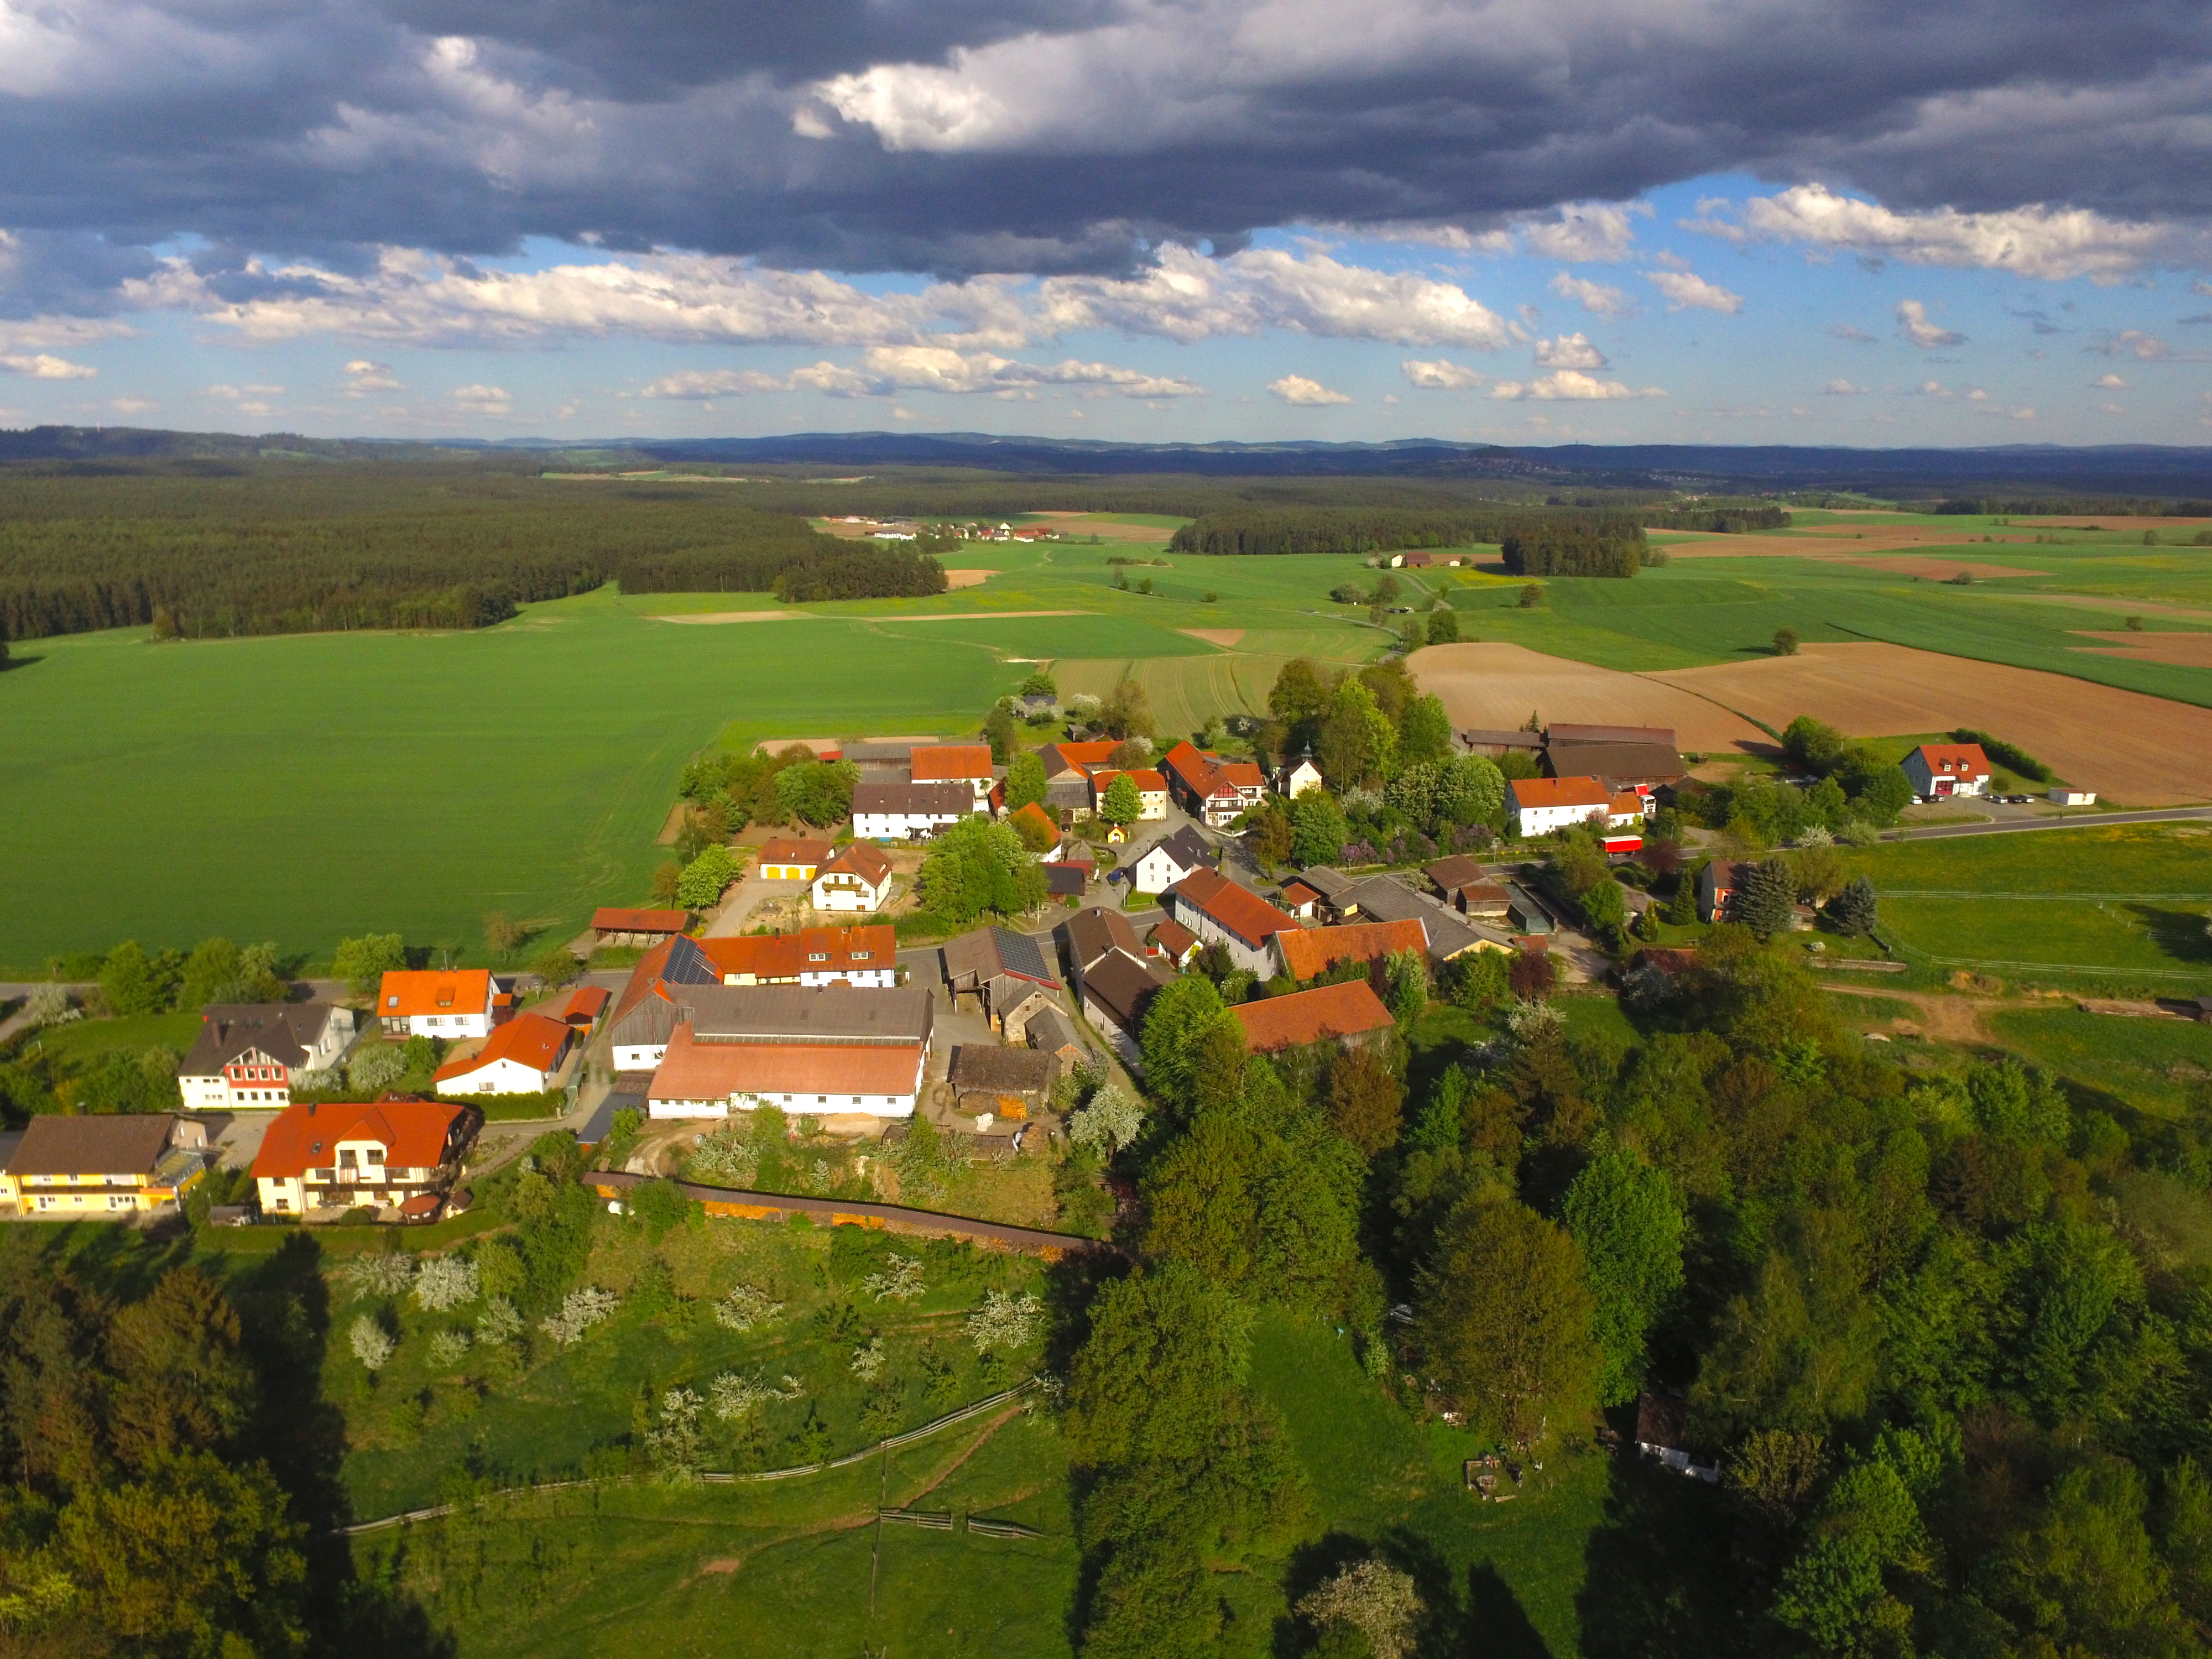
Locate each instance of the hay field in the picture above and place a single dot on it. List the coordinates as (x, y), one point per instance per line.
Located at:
(1498, 686)
(2133, 749)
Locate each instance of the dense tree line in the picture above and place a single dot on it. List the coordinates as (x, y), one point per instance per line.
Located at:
(1369, 530)
(274, 548)
(1572, 550)
(1721, 517)
(2072, 507)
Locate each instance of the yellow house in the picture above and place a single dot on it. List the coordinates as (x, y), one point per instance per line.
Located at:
(105, 1165)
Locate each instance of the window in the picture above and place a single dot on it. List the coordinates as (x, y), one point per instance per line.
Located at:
(860, 955)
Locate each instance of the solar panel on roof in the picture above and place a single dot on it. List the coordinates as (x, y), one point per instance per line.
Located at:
(1022, 954)
(687, 964)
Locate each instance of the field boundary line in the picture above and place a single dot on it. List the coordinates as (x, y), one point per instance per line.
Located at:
(440, 1511)
(2074, 898)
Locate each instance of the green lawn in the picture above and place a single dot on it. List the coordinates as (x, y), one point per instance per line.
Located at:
(86, 1039)
(304, 787)
(2121, 904)
(2157, 1065)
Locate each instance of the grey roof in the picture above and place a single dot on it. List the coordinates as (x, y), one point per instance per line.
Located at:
(1068, 792)
(836, 1015)
(1052, 1032)
(1189, 850)
(1486, 738)
(1536, 916)
(940, 799)
(1093, 932)
(903, 752)
(1457, 871)
(1010, 993)
(1617, 763)
(101, 1144)
(1006, 1071)
(285, 1031)
(1561, 732)
(1331, 885)
(976, 958)
(1382, 899)
(1121, 985)
(650, 1024)
(1067, 880)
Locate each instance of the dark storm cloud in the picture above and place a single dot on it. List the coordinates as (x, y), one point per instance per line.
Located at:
(1014, 135)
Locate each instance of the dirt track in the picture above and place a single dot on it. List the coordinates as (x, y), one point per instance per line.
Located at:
(2134, 749)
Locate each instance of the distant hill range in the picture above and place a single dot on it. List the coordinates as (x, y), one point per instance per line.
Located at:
(2105, 470)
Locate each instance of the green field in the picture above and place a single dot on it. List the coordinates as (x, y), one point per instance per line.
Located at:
(2156, 1065)
(304, 787)
(2122, 904)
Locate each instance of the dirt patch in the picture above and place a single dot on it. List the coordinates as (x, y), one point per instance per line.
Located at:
(1946, 1018)
(673, 826)
(968, 578)
(1834, 542)
(1496, 686)
(1227, 638)
(2183, 650)
(2131, 748)
(730, 617)
(727, 1563)
(979, 616)
(1940, 570)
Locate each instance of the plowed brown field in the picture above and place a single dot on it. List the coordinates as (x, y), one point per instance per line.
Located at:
(2133, 749)
(1496, 685)
(2187, 650)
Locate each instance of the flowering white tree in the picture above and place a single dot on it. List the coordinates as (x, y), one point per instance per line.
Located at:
(372, 1344)
(48, 1004)
(498, 1323)
(447, 1282)
(673, 1444)
(580, 1309)
(901, 1281)
(1112, 1119)
(386, 1273)
(745, 1307)
(447, 1347)
(1378, 1602)
(1005, 1321)
(868, 1359)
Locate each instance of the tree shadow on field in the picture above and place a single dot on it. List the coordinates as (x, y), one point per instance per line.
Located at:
(1659, 1583)
(283, 1305)
(2180, 934)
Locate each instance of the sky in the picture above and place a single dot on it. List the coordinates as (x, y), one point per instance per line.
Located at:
(1522, 221)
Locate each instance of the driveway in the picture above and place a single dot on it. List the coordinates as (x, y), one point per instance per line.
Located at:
(2024, 821)
(736, 914)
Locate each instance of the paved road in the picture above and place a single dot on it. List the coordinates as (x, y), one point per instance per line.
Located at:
(2087, 820)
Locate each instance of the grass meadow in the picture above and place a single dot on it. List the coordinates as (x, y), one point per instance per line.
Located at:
(304, 787)
(2158, 1066)
(2125, 903)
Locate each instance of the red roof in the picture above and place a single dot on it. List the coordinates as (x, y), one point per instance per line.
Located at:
(715, 1071)
(1244, 775)
(1239, 909)
(1147, 781)
(413, 1133)
(1058, 758)
(784, 849)
(647, 974)
(459, 991)
(1033, 813)
(1315, 1016)
(863, 858)
(529, 1040)
(1559, 792)
(610, 920)
(1955, 760)
(1312, 951)
(1172, 937)
(585, 1003)
(831, 950)
(942, 763)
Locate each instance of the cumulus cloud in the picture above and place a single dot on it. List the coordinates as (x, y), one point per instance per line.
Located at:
(1913, 325)
(1442, 375)
(699, 386)
(1569, 385)
(132, 405)
(2110, 382)
(2132, 343)
(1569, 351)
(1686, 291)
(1584, 232)
(1297, 389)
(2031, 240)
(1846, 331)
(485, 399)
(1843, 389)
(1593, 297)
(363, 377)
(40, 366)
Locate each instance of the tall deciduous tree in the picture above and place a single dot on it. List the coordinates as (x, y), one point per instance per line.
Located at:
(1366, 1100)
(1424, 732)
(362, 962)
(1629, 1222)
(1025, 781)
(1505, 1313)
(1121, 804)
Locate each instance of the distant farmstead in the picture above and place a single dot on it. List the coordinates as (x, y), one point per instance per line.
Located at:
(858, 879)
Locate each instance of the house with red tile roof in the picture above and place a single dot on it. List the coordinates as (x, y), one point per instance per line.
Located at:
(858, 878)
(338, 1156)
(1309, 952)
(866, 957)
(1539, 806)
(453, 1004)
(1349, 1013)
(1235, 918)
(831, 1049)
(1152, 788)
(582, 1007)
(1040, 822)
(1212, 789)
(1940, 769)
(519, 1058)
(954, 763)
(1172, 940)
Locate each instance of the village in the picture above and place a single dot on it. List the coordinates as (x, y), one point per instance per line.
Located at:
(793, 992)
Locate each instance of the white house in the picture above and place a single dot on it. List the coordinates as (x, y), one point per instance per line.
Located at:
(956, 762)
(1235, 918)
(1539, 806)
(1939, 769)
(520, 1058)
(858, 879)
(784, 859)
(1152, 788)
(247, 1054)
(454, 1004)
(1298, 776)
(403, 1153)
(1170, 858)
(830, 1051)
(908, 812)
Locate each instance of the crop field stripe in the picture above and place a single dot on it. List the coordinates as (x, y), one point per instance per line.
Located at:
(1984, 893)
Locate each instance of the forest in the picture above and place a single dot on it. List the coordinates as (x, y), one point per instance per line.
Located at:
(1368, 530)
(201, 550)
